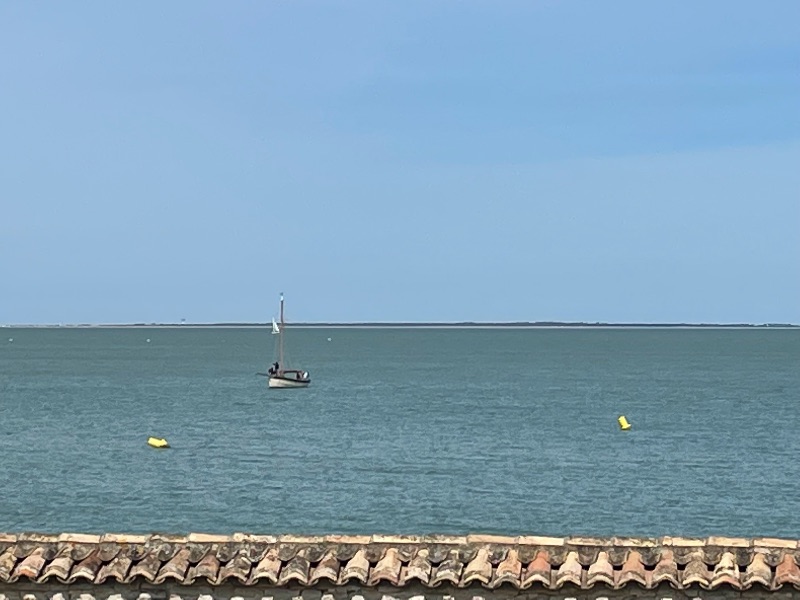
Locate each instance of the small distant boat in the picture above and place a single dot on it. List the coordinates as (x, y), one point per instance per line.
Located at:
(280, 376)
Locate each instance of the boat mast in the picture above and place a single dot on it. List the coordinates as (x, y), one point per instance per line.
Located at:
(280, 339)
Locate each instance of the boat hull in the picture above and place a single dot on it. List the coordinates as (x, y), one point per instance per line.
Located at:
(283, 382)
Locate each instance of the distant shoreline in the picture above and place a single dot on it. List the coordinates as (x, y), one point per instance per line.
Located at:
(418, 325)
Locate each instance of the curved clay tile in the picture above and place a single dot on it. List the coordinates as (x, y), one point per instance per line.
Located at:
(59, 567)
(447, 570)
(205, 571)
(107, 551)
(81, 550)
(117, 569)
(600, 571)
(726, 572)
(198, 552)
(758, 571)
(30, 566)
(88, 568)
(538, 571)
(356, 568)
(632, 570)
(7, 563)
(787, 572)
(387, 569)
(570, 571)
(666, 569)
(297, 569)
(147, 568)
(176, 568)
(287, 551)
(478, 569)
(508, 571)
(327, 568)
(268, 568)
(237, 568)
(419, 568)
(696, 571)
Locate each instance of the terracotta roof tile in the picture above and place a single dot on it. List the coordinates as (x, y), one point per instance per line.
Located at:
(326, 569)
(356, 568)
(448, 569)
(206, 568)
(509, 570)
(88, 568)
(538, 571)
(632, 571)
(60, 566)
(757, 572)
(569, 572)
(787, 572)
(419, 568)
(479, 568)
(726, 572)
(387, 569)
(696, 571)
(600, 571)
(666, 570)
(458, 561)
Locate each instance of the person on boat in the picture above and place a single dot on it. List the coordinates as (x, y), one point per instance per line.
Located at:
(271, 371)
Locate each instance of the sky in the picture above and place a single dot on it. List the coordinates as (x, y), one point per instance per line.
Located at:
(531, 160)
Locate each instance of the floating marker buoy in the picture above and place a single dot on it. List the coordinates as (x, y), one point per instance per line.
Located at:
(148, 340)
(157, 442)
(12, 339)
(329, 339)
(623, 423)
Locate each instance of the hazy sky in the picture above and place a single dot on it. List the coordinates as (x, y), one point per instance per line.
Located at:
(476, 160)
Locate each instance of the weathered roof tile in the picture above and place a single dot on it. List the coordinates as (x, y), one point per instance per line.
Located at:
(356, 568)
(726, 572)
(632, 570)
(295, 570)
(419, 569)
(268, 568)
(59, 567)
(479, 568)
(538, 571)
(447, 570)
(696, 572)
(31, 565)
(387, 568)
(569, 572)
(757, 571)
(117, 569)
(509, 570)
(207, 569)
(666, 570)
(461, 561)
(88, 568)
(787, 572)
(327, 568)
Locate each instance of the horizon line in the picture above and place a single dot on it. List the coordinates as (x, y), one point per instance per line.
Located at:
(398, 324)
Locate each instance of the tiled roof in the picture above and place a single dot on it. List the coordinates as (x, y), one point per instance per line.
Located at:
(474, 560)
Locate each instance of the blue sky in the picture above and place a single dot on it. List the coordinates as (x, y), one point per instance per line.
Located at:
(539, 160)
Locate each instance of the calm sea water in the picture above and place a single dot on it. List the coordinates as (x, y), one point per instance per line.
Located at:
(407, 430)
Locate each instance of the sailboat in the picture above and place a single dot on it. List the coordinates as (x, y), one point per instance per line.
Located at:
(279, 375)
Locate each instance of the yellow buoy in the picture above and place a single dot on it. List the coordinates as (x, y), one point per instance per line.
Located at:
(623, 423)
(157, 442)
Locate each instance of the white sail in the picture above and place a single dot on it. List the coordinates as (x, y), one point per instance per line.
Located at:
(275, 329)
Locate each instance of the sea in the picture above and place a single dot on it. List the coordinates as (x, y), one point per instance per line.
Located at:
(403, 430)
